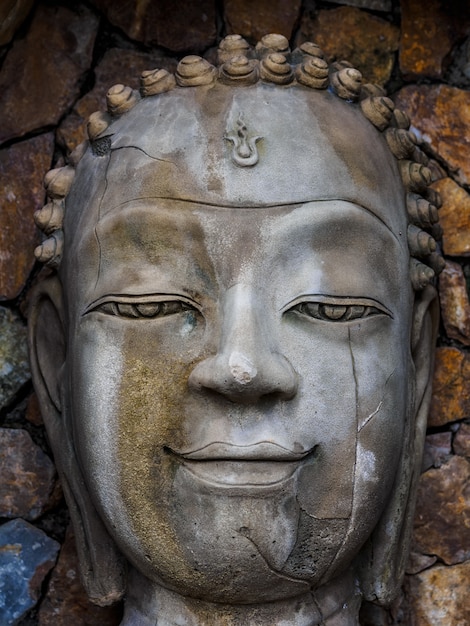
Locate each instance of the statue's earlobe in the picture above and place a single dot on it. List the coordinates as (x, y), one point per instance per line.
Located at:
(102, 566)
(386, 554)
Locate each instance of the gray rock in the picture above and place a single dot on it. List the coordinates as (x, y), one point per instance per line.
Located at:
(14, 365)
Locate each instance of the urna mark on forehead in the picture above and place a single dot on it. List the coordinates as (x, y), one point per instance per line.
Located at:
(308, 146)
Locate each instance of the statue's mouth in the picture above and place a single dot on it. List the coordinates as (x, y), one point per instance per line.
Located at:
(262, 464)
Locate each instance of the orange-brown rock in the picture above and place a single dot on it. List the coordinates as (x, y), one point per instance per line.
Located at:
(252, 20)
(451, 387)
(455, 305)
(365, 40)
(442, 116)
(22, 167)
(12, 15)
(177, 26)
(439, 596)
(462, 440)
(42, 73)
(428, 32)
(454, 217)
(27, 487)
(117, 66)
(442, 518)
(66, 602)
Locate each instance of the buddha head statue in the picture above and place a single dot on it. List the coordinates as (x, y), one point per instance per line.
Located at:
(233, 352)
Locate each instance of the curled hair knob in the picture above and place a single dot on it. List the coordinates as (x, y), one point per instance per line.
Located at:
(193, 71)
(240, 69)
(378, 110)
(153, 82)
(346, 83)
(275, 69)
(120, 99)
(313, 73)
(232, 46)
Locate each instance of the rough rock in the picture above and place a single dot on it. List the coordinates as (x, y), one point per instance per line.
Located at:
(26, 556)
(372, 5)
(365, 40)
(418, 562)
(462, 440)
(439, 596)
(441, 115)
(42, 73)
(28, 476)
(252, 20)
(442, 518)
(428, 34)
(12, 15)
(14, 365)
(186, 26)
(22, 167)
(117, 66)
(33, 412)
(437, 450)
(66, 601)
(455, 306)
(451, 387)
(454, 217)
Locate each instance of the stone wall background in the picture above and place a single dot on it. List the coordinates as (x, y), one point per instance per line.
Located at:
(57, 61)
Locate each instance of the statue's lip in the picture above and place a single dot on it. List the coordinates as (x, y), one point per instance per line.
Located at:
(259, 451)
(262, 465)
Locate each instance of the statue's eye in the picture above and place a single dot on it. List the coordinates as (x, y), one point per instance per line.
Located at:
(336, 312)
(143, 310)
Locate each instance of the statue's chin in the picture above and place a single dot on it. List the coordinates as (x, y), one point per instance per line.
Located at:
(239, 544)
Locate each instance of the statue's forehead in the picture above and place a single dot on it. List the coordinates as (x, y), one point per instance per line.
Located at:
(308, 145)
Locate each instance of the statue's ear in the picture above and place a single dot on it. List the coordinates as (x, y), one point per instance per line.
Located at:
(386, 554)
(47, 346)
(102, 567)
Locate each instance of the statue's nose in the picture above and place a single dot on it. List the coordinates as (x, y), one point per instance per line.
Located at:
(248, 364)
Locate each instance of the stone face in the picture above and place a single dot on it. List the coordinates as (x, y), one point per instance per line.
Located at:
(428, 35)
(451, 387)
(455, 307)
(66, 601)
(28, 476)
(437, 449)
(462, 440)
(178, 27)
(26, 556)
(56, 52)
(14, 364)
(442, 116)
(12, 15)
(365, 40)
(439, 596)
(22, 167)
(454, 217)
(117, 66)
(252, 20)
(442, 519)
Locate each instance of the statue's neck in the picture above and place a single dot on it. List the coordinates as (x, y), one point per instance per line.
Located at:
(148, 604)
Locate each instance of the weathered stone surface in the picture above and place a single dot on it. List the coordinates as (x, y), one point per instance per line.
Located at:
(451, 387)
(26, 556)
(439, 596)
(12, 15)
(437, 450)
(365, 40)
(66, 601)
(455, 307)
(442, 116)
(454, 217)
(252, 20)
(33, 413)
(184, 26)
(117, 66)
(22, 167)
(14, 364)
(442, 519)
(372, 5)
(28, 476)
(417, 562)
(462, 440)
(42, 73)
(428, 33)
